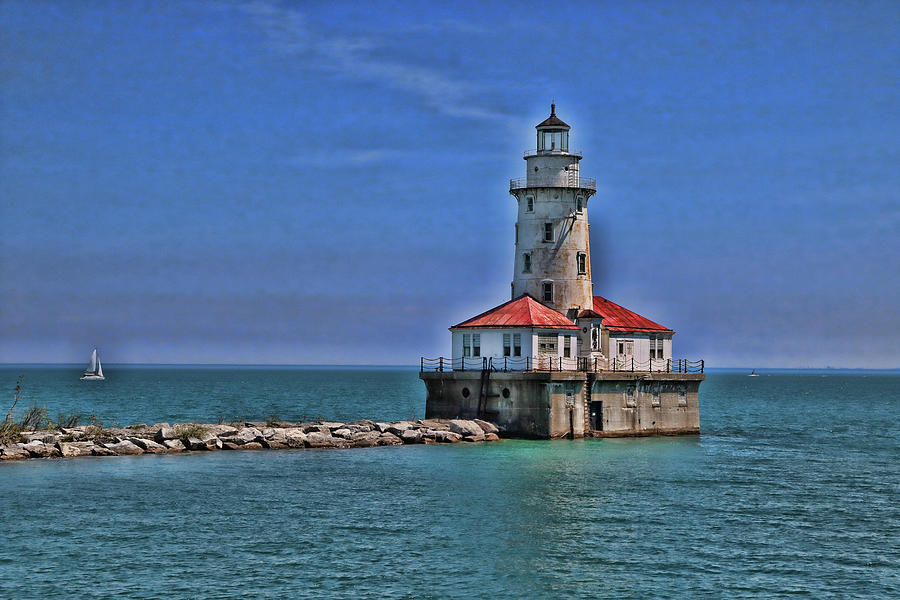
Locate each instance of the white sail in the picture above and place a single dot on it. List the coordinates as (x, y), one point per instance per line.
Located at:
(95, 369)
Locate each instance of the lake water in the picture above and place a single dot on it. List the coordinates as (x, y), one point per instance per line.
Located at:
(793, 489)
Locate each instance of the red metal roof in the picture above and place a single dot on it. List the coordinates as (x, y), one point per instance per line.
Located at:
(619, 318)
(523, 311)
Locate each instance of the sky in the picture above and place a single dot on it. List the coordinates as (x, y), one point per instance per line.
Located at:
(327, 182)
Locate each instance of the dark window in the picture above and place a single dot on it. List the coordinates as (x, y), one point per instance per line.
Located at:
(529, 204)
(582, 263)
(526, 262)
(476, 344)
(507, 345)
(567, 346)
(548, 232)
(548, 291)
(517, 344)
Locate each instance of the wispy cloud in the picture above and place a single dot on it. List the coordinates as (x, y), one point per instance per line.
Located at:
(288, 31)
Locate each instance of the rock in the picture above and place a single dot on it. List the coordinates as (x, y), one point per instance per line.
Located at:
(13, 452)
(251, 446)
(436, 424)
(99, 450)
(222, 430)
(388, 439)
(491, 437)
(246, 435)
(485, 426)
(343, 432)
(124, 447)
(447, 437)
(382, 427)
(68, 450)
(272, 444)
(207, 442)
(332, 425)
(148, 446)
(364, 439)
(165, 433)
(361, 425)
(294, 438)
(158, 426)
(412, 436)
(318, 440)
(399, 427)
(315, 428)
(227, 445)
(474, 438)
(39, 449)
(465, 428)
(174, 445)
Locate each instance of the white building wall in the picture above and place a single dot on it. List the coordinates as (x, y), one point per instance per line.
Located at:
(492, 346)
(641, 349)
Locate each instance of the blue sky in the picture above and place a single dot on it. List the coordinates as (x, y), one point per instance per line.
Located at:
(322, 182)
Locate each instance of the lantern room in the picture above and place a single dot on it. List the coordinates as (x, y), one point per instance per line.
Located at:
(552, 134)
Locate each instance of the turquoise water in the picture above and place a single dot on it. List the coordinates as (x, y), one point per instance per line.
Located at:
(792, 490)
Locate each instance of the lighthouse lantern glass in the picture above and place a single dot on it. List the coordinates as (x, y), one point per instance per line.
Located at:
(553, 141)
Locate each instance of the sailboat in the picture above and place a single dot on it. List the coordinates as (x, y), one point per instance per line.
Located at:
(753, 373)
(95, 369)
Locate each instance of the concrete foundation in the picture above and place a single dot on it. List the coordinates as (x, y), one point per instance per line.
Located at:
(569, 403)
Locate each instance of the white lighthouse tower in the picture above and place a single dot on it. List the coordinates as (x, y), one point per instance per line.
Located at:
(553, 256)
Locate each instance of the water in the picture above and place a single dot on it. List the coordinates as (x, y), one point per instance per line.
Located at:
(792, 490)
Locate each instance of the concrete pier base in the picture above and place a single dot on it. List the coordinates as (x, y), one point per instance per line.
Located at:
(542, 404)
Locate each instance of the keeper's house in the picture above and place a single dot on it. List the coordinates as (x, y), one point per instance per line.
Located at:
(556, 360)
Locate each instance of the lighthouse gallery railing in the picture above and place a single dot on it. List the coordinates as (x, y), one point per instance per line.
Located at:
(560, 363)
(584, 183)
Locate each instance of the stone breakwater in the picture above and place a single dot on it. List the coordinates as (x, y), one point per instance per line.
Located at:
(162, 438)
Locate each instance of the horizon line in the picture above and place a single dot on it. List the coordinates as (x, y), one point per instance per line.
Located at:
(403, 365)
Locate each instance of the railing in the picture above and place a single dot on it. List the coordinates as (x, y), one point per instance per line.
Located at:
(560, 363)
(536, 152)
(587, 183)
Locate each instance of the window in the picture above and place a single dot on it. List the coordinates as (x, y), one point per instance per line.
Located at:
(595, 338)
(467, 344)
(548, 232)
(517, 344)
(625, 347)
(547, 287)
(526, 262)
(579, 203)
(656, 347)
(507, 346)
(529, 204)
(567, 346)
(582, 263)
(547, 344)
(517, 233)
(476, 344)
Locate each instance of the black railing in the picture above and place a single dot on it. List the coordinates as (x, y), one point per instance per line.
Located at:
(560, 363)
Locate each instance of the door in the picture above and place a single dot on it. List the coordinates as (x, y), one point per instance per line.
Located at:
(624, 353)
(547, 351)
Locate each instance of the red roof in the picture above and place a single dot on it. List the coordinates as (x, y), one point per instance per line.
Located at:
(619, 318)
(523, 311)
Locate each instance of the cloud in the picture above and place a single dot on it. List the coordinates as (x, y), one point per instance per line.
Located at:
(288, 32)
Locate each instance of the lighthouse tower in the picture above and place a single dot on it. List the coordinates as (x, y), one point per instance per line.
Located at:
(553, 257)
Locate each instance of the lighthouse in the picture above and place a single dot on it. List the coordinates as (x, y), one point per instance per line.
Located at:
(556, 360)
(553, 255)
